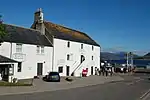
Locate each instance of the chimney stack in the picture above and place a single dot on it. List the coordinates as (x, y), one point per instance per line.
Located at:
(38, 20)
(38, 16)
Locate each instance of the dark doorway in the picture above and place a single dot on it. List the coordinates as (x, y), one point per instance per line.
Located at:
(82, 58)
(39, 69)
(67, 70)
(4, 70)
(92, 70)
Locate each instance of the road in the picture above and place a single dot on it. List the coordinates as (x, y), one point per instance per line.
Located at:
(132, 88)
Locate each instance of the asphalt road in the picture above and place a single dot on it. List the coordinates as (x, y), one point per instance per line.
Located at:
(132, 88)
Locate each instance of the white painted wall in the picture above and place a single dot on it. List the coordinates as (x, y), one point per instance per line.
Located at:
(61, 51)
(5, 49)
(30, 59)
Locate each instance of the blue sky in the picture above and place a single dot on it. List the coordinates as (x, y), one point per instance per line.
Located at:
(114, 24)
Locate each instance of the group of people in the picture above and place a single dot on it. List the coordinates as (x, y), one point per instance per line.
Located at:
(105, 71)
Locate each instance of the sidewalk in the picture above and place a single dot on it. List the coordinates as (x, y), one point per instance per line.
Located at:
(41, 86)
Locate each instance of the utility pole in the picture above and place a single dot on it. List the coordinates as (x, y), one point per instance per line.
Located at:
(127, 60)
(131, 59)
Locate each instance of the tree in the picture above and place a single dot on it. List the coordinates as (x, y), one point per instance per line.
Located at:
(2, 29)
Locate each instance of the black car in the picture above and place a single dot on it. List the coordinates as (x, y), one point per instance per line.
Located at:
(52, 77)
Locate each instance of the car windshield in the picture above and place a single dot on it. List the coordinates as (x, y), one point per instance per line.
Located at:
(53, 73)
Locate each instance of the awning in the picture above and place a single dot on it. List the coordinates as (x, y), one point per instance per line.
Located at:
(6, 60)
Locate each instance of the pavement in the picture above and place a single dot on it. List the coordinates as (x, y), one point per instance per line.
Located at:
(41, 86)
(132, 87)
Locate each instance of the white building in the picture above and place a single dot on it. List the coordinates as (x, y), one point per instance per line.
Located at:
(27, 53)
(46, 47)
(73, 50)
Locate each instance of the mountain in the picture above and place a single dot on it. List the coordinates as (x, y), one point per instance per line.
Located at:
(145, 57)
(115, 56)
(109, 56)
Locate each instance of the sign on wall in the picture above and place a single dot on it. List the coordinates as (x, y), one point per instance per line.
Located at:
(61, 62)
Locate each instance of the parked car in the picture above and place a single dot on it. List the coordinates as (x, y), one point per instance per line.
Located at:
(52, 77)
(121, 70)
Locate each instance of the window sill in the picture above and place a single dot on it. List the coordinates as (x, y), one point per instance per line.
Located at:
(40, 54)
(69, 60)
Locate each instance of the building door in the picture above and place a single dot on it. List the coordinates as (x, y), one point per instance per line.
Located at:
(4, 70)
(67, 70)
(39, 69)
(92, 70)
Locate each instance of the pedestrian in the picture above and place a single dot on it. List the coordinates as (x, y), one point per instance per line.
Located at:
(103, 71)
(106, 71)
(99, 71)
(111, 72)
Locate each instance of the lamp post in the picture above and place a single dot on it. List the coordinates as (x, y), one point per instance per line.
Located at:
(131, 56)
(127, 60)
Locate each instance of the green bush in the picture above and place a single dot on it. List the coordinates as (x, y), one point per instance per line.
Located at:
(14, 84)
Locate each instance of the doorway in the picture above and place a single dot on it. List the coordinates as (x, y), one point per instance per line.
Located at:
(82, 58)
(92, 70)
(39, 69)
(4, 70)
(67, 70)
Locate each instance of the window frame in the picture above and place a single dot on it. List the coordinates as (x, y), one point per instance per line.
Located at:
(60, 69)
(68, 57)
(42, 50)
(18, 47)
(81, 46)
(92, 48)
(19, 67)
(92, 58)
(68, 44)
(38, 49)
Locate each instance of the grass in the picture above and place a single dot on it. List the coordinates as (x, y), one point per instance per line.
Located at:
(14, 84)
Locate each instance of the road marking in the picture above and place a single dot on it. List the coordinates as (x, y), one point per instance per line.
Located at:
(144, 96)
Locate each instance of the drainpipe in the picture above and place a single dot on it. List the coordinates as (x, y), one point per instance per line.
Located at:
(100, 56)
(10, 78)
(11, 50)
(127, 60)
(53, 56)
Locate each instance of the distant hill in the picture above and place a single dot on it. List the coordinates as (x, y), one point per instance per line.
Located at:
(109, 56)
(115, 56)
(145, 57)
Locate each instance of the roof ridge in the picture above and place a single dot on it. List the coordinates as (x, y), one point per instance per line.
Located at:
(22, 27)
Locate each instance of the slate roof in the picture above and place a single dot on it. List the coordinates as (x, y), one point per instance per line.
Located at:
(65, 33)
(6, 60)
(18, 34)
